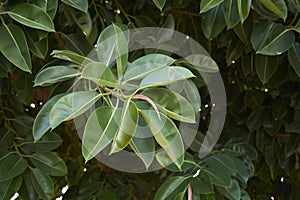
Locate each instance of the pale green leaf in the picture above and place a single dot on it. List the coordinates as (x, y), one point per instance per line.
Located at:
(159, 3)
(203, 63)
(144, 148)
(276, 6)
(206, 5)
(81, 5)
(71, 56)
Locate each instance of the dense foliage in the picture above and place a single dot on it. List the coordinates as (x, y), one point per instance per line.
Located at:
(43, 47)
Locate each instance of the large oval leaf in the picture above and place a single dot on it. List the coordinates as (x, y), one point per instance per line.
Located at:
(271, 39)
(203, 63)
(37, 47)
(99, 131)
(244, 9)
(166, 76)
(231, 13)
(42, 183)
(294, 57)
(173, 104)
(99, 73)
(70, 56)
(48, 142)
(166, 134)
(50, 163)
(127, 127)
(14, 46)
(32, 16)
(12, 166)
(265, 66)
(78, 4)
(233, 191)
(55, 74)
(71, 106)
(9, 187)
(276, 6)
(206, 5)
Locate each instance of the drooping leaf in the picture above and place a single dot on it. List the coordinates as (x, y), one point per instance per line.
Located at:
(32, 16)
(231, 13)
(99, 74)
(71, 106)
(12, 166)
(127, 127)
(294, 57)
(244, 9)
(169, 189)
(173, 104)
(99, 131)
(78, 4)
(14, 46)
(50, 163)
(203, 63)
(159, 3)
(9, 187)
(265, 67)
(42, 183)
(55, 74)
(166, 76)
(206, 5)
(271, 39)
(276, 6)
(166, 134)
(70, 56)
(213, 22)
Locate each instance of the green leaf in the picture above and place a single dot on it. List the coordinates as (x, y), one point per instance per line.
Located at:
(233, 191)
(144, 65)
(276, 6)
(112, 46)
(9, 187)
(144, 148)
(6, 137)
(55, 74)
(231, 13)
(42, 122)
(244, 30)
(213, 22)
(265, 67)
(12, 166)
(99, 74)
(99, 131)
(291, 145)
(14, 46)
(32, 16)
(171, 103)
(171, 188)
(78, 4)
(254, 120)
(244, 9)
(50, 163)
(203, 63)
(83, 21)
(166, 76)
(206, 5)
(271, 39)
(202, 184)
(159, 3)
(48, 142)
(207, 197)
(297, 26)
(71, 56)
(38, 47)
(42, 183)
(270, 155)
(166, 134)
(71, 106)
(127, 127)
(293, 127)
(50, 7)
(294, 57)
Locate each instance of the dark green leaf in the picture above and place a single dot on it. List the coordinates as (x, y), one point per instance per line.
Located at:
(244, 9)
(9, 187)
(276, 6)
(159, 3)
(206, 5)
(48, 142)
(78, 4)
(293, 127)
(83, 21)
(202, 184)
(70, 56)
(12, 166)
(6, 137)
(42, 183)
(294, 57)
(37, 47)
(233, 191)
(265, 67)
(231, 13)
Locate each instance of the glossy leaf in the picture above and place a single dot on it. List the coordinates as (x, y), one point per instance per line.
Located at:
(42, 183)
(32, 16)
(83, 21)
(166, 134)
(99, 131)
(171, 103)
(213, 22)
(50, 163)
(265, 67)
(233, 191)
(171, 188)
(231, 13)
(71, 106)
(70, 56)
(127, 127)
(271, 39)
(206, 5)
(9, 187)
(202, 184)
(159, 3)
(294, 57)
(37, 47)
(48, 142)
(203, 63)
(78, 4)
(14, 47)
(99, 74)
(244, 9)
(12, 166)
(6, 137)
(276, 6)
(166, 76)
(142, 66)
(55, 74)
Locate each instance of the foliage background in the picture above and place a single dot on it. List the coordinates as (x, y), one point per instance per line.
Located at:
(258, 59)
